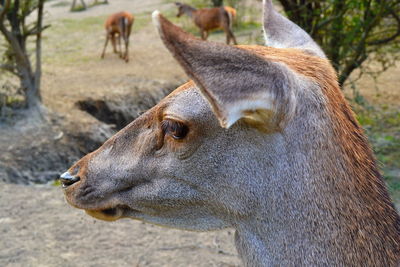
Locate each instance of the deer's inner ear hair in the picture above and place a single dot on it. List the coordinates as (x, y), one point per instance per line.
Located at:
(177, 130)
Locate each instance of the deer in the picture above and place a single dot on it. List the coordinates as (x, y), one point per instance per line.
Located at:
(207, 19)
(262, 140)
(232, 12)
(118, 25)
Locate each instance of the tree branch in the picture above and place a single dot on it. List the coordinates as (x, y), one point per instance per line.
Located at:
(34, 30)
(16, 48)
(9, 68)
(391, 38)
(38, 70)
(324, 23)
(4, 10)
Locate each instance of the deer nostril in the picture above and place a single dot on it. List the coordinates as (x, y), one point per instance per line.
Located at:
(67, 179)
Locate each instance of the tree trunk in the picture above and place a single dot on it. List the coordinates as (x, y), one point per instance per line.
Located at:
(29, 80)
(38, 70)
(217, 3)
(74, 4)
(32, 93)
(83, 4)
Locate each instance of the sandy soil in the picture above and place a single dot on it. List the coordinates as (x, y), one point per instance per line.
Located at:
(37, 227)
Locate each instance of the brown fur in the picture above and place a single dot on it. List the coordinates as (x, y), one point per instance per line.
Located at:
(118, 25)
(361, 180)
(208, 19)
(231, 11)
(366, 181)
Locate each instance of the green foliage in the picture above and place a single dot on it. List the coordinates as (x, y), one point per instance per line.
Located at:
(351, 32)
(78, 8)
(56, 183)
(382, 125)
(60, 3)
(217, 2)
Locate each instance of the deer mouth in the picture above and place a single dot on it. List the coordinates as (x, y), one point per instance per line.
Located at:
(111, 214)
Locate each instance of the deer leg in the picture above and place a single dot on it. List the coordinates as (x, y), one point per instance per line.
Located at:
(126, 50)
(226, 26)
(113, 42)
(126, 40)
(233, 37)
(105, 45)
(127, 35)
(119, 46)
(203, 35)
(230, 36)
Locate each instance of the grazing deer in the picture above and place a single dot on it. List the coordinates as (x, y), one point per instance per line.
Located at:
(263, 141)
(207, 19)
(118, 25)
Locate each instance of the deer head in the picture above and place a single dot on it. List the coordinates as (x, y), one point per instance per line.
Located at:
(261, 140)
(180, 9)
(184, 9)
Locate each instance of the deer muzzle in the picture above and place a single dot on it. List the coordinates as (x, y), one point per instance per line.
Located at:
(67, 179)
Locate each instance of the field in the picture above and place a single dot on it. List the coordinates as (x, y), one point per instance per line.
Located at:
(39, 229)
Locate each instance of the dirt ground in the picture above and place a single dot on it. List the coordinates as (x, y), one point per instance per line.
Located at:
(37, 227)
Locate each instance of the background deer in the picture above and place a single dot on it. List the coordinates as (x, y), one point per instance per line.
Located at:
(207, 19)
(231, 11)
(263, 141)
(118, 25)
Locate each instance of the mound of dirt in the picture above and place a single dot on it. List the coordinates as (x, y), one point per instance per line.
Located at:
(119, 110)
(38, 151)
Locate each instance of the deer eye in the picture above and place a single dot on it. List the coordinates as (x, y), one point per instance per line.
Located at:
(175, 129)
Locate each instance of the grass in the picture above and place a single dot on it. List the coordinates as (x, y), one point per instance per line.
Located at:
(60, 4)
(83, 25)
(56, 183)
(80, 7)
(382, 125)
(72, 41)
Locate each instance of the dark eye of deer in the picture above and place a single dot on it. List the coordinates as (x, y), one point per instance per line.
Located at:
(175, 129)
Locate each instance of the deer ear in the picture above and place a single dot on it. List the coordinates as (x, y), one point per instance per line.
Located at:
(280, 32)
(237, 83)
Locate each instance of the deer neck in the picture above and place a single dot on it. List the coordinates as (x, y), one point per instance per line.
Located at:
(312, 207)
(188, 10)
